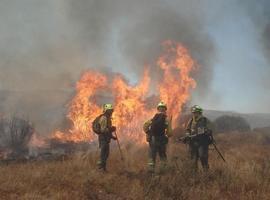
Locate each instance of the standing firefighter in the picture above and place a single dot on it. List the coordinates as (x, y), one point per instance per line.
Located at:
(157, 132)
(102, 126)
(198, 137)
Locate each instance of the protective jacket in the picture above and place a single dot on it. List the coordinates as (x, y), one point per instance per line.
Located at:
(164, 129)
(199, 138)
(198, 126)
(105, 128)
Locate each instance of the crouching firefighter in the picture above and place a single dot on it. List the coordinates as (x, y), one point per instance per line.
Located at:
(102, 126)
(157, 130)
(198, 137)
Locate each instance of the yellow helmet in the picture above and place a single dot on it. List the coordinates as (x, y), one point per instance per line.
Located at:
(196, 109)
(161, 105)
(107, 106)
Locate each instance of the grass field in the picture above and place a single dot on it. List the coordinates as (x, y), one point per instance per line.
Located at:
(246, 175)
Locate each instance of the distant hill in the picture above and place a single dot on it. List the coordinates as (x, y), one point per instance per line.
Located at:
(256, 120)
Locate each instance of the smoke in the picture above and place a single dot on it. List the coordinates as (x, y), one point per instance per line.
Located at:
(266, 45)
(46, 45)
(134, 31)
(260, 15)
(266, 40)
(37, 62)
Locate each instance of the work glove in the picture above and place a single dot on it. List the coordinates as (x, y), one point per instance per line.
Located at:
(185, 140)
(113, 129)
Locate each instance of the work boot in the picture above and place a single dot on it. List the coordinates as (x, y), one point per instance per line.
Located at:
(101, 166)
(205, 165)
(151, 167)
(163, 167)
(102, 169)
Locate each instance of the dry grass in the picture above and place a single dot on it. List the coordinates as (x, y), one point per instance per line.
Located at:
(245, 176)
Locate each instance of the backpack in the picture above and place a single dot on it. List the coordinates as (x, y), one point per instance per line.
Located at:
(96, 125)
(158, 126)
(147, 126)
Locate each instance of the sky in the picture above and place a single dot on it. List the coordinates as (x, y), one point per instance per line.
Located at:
(242, 69)
(46, 45)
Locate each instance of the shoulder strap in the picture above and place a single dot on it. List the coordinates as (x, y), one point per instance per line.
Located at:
(100, 116)
(189, 123)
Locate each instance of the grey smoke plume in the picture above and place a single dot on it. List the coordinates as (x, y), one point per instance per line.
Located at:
(260, 12)
(266, 42)
(266, 36)
(136, 29)
(46, 45)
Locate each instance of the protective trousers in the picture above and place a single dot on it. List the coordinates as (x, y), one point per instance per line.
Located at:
(157, 145)
(199, 151)
(104, 145)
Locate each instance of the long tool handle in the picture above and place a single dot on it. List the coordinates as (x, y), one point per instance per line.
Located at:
(218, 152)
(119, 147)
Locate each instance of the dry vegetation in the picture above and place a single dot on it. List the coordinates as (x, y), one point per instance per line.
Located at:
(245, 176)
(15, 134)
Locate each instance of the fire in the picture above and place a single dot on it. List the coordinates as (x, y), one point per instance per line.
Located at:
(37, 141)
(131, 109)
(82, 111)
(177, 82)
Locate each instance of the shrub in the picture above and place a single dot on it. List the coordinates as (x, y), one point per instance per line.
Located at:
(15, 134)
(228, 123)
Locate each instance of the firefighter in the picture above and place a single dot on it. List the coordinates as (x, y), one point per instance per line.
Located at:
(198, 137)
(105, 134)
(157, 130)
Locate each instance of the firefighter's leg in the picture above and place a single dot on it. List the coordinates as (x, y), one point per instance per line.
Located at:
(152, 156)
(194, 155)
(100, 161)
(104, 152)
(203, 154)
(163, 157)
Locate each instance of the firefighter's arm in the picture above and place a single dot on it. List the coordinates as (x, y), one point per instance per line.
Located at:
(209, 131)
(169, 128)
(209, 127)
(188, 127)
(103, 125)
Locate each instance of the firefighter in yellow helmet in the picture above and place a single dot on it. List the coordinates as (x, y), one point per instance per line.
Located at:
(104, 128)
(157, 130)
(199, 137)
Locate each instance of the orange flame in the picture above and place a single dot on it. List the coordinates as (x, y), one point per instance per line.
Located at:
(177, 82)
(129, 101)
(130, 111)
(81, 110)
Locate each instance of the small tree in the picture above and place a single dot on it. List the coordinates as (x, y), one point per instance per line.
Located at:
(228, 123)
(15, 134)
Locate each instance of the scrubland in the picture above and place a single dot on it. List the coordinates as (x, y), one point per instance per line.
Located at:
(245, 175)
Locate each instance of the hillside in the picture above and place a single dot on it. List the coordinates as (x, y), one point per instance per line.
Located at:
(256, 120)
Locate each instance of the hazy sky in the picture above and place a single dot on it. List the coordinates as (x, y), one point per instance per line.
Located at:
(241, 76)
(46, 45)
